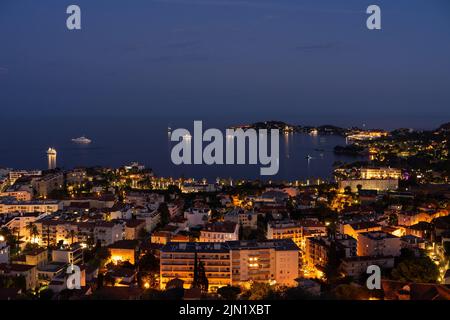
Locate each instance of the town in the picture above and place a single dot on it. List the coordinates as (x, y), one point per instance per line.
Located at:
(137, 236)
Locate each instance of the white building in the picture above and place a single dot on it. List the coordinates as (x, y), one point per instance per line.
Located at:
(245, 219)
(270, 261)
(68, 254)
(16, 174)
(10, 205)
(197, 216)
(378, 243)
(220, 232)
(151, 219)
(4, 251)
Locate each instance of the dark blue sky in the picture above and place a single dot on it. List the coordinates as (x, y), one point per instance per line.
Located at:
(277, 59)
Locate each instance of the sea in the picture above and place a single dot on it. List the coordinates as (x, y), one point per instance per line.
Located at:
(118, 141)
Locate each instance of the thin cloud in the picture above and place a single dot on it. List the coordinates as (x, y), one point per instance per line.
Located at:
(183, 44)
(258, 4)
(316, 46)
(4, 70)
(218, 3)
(180, 58)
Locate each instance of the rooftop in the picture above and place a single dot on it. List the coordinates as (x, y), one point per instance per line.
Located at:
(364, 225)
(124, 244)
(223, 227)
(378, 235)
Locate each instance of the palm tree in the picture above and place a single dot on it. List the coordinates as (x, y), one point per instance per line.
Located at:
(48, 236)
(72, 235)
(29, 227)
(16, 231)
(34, 232)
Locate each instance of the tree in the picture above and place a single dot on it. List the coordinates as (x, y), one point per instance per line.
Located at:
(142, 234)
(420, 270)
(32, 229)
(229, 292)
(447, 248)
(261, 291)
(16, 231)
(348, 190)
(297, 293)
(393, 219)
(46, 294)
(47, 231)
(173, 189)
(71, 235)
(164, 212)
(199, 280)
(331, 268)
(202, 279)
(148, 263)
(195, 281)
(351, 292)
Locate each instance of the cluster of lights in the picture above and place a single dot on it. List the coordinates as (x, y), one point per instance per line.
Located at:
(116, 259)
(251, 262)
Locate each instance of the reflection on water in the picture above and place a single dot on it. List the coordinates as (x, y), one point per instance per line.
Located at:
(118, 142)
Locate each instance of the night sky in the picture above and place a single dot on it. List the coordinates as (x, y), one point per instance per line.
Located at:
(271, 58)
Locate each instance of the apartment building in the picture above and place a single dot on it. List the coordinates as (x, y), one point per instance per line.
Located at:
(37, 257)
(18, 224)
(16, 193)
(11, 205)
(77, 176)
(270, 261)
(177, 261)
(317, 249)
(46, 184)
(68, 232)
(124, 250)
(408, 218)
(353, 229)
(368, 184)
(197, 216)
(104, 201)
(29, 273)
(151, 219)
(245, 219)
(378, 243)
(380, 173)
(298, 231)
(142, 199)
(70, 254)
(4, 251)
(16, 174)
(357, 266)
(232, 262)
(133, 228)
(219, 232)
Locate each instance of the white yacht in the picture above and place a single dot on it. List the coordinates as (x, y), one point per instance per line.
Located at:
(82, 140)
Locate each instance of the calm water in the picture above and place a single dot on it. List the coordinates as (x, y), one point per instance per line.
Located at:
(120, 141)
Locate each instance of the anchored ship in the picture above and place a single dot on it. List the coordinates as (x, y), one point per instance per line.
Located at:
(82, 140)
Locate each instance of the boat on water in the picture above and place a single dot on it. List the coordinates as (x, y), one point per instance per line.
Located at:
(82, 140)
